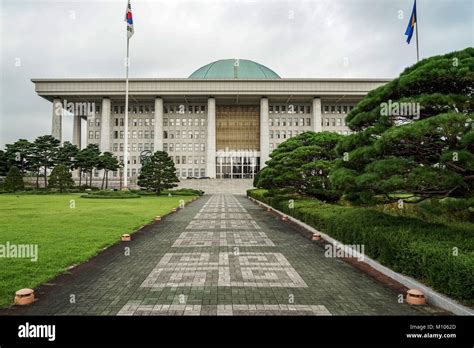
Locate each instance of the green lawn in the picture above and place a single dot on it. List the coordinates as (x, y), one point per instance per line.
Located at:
(66, 235)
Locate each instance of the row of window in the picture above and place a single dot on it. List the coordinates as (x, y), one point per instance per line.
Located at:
(289, 109)
(188, 159)
(133, 147)
(337, 109)
(170, 147)
(184, 135)
(181, 172)
(191, 172)
(135, 134)
(333, 122)
(284, 134)
(183, 109)
(167, 109)
(290, 122)
(184, 122)
(142, 109)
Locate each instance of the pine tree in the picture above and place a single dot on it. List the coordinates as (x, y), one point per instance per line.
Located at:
(158, 173)
(14, 180)
(414, 135)
(61, 178)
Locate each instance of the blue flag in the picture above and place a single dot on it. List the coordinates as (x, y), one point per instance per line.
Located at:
(411, 24)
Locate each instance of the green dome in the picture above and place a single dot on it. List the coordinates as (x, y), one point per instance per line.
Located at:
(234, 69)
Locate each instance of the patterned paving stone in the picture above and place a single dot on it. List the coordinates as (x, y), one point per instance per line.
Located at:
(222, 255)
(228, 238)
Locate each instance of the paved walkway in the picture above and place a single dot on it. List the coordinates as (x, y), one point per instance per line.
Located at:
(221, 255)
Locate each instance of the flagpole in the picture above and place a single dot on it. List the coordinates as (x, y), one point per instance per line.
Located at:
(125, 154)
(417, 49)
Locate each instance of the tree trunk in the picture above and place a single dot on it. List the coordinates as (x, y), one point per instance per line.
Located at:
(80, 177)
(45, 177)
(103, 181)
(107, 179)
(37, 179)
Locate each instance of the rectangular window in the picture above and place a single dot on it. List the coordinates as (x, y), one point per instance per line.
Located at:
(203, 147)
(116, 122)
(140, 122)
(91, 134)
(183, 159)
(97, 135)
(140, 134)
(115, 134)
(97, 122)
(165, 147)
(203, 121)
(147, 134)
(140, 147)
(308, 121)
(121, 147)
(171, 147)
(171, 122)
(135, 122)
(134, 147)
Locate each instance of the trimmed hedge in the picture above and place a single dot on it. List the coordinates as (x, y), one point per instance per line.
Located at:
(111, 195)
(420, 249)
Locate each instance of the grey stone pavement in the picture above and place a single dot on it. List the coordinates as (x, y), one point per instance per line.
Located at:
(221, 255)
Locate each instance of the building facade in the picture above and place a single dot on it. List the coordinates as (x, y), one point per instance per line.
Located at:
(221, 122)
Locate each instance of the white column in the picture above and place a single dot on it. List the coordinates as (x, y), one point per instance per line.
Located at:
(211, 138)
(105, 125)
(317, 126)
(264, 133)
(56, 125)
(158, 141)
(76, 130)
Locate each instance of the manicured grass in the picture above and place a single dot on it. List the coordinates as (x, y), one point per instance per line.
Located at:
(65, 235)
(440, 255)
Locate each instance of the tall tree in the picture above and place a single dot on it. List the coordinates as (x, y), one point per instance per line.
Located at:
(67, 155)
(3, 163)
(107, 162)
(14, 180)
(44, 155)
(158, 173)
(61, 178)
(19, 154)
(414, 134)
(86, 160)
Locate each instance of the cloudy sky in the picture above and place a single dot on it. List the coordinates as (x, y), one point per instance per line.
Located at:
(296, 38)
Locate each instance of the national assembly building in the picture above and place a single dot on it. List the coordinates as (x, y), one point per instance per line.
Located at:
(222, 122)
